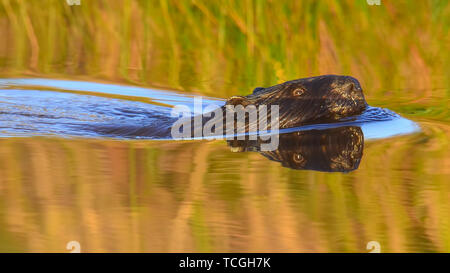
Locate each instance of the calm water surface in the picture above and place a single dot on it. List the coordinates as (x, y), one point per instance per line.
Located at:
(58, 184)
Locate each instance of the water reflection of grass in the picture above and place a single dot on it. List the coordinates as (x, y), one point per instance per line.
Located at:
(104, 195)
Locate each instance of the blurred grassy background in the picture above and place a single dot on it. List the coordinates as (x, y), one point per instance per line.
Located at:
(399, 49)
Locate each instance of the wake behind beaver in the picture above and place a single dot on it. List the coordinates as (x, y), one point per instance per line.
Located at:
(59, 108)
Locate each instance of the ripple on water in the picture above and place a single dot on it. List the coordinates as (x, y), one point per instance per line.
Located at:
(74, 108)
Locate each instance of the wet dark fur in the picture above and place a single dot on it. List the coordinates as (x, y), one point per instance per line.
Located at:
(310, 100)
(320, 99)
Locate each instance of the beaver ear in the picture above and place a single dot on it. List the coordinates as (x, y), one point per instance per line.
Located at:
(238, 100)
(257, 89)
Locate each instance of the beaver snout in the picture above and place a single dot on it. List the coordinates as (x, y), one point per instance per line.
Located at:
(352, 86)
(351, 89)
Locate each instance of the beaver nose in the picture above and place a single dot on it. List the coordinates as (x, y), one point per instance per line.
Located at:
(354, 89)
(353, 85)
(349, 88)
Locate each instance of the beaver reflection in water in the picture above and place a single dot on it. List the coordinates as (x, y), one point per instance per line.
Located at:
(331, 150)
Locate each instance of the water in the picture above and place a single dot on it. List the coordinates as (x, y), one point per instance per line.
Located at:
(115, 193)
(75, 108)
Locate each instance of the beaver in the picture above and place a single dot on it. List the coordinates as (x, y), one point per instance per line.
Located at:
(320, 99)
(331, 150)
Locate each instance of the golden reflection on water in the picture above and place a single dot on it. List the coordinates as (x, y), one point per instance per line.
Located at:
(199, 196)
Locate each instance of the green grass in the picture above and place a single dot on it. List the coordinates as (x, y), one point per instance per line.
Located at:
(227, 47)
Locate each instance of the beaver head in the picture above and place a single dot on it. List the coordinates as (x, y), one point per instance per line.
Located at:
(324, 98)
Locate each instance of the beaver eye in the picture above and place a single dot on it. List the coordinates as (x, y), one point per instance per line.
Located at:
(298, 158)
(298, 91)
